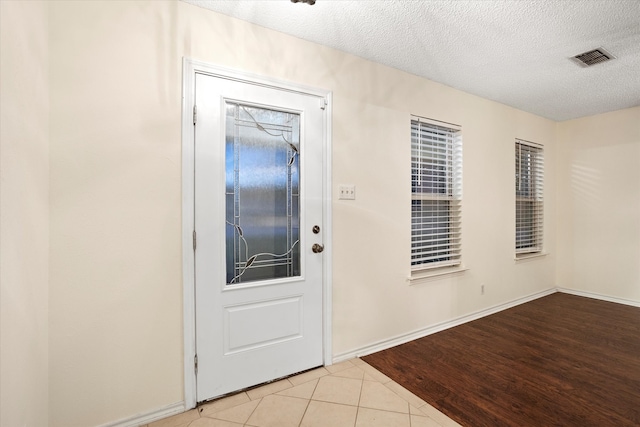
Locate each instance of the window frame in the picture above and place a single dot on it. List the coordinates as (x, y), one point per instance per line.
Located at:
(529, 190)
(436, 153)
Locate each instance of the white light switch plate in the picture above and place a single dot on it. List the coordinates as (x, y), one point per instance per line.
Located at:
(347, 192)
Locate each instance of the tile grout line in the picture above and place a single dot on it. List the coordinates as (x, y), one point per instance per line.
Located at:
(308, 402)
(254, 410)
(355, 423)
(304, 413)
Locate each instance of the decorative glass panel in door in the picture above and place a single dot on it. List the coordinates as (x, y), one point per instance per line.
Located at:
(262, 174)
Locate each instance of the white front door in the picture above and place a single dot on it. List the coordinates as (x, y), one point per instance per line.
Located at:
(258, 214)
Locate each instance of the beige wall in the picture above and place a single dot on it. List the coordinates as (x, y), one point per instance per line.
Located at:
(116, 297)
(112, 96)
(116, 306)
(108, 115)
(24, 213)
(599, 211)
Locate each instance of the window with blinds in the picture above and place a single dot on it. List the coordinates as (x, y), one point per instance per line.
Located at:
(529, 197)
(436, 194)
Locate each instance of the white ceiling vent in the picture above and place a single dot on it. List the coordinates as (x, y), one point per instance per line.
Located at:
(593, 57)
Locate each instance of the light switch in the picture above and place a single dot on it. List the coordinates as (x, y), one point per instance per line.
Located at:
(347, 192)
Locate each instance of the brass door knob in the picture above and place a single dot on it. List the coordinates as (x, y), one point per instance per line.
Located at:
(316, 248)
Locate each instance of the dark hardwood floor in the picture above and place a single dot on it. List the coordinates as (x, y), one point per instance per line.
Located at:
(561, 360)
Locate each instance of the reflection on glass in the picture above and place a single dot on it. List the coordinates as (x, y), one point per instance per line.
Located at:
(262, 193)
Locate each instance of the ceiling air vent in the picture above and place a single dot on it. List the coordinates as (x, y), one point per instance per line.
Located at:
(593, 57)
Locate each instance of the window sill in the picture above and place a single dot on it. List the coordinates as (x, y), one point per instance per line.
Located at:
(420, 276)
(530, 256)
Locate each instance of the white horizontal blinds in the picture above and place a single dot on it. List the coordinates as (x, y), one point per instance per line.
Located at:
(436, 192)
(529, 197)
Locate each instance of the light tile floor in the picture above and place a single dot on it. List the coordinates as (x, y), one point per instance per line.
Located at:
(347, 394)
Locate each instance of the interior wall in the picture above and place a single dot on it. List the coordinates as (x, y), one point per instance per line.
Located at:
(24, 213)
(116, 273)
(116, 293)
(599, 211)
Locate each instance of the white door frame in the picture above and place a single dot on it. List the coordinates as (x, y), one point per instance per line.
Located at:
(189, 69)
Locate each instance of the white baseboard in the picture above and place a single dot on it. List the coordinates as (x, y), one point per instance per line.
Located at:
(423, 332)
(599, 296)
(148, 417)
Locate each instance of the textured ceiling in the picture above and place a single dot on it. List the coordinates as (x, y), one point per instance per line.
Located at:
(513, 51)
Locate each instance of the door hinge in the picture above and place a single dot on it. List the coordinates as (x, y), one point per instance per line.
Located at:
(194, 240)
(195, 363)
(323, 103)
(195, 114)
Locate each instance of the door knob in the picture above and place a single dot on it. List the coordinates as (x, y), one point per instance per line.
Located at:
(316, 248)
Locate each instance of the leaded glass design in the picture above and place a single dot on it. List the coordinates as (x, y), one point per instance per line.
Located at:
(262, 169)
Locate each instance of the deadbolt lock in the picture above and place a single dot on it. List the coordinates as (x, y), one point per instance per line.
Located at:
(315, 229)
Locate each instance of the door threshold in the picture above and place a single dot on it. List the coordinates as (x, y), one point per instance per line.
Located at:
(243, 390)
